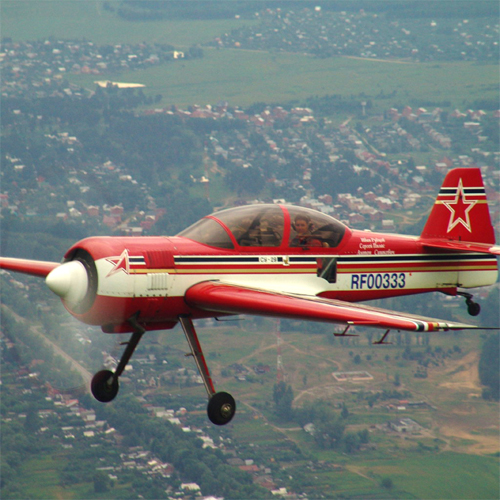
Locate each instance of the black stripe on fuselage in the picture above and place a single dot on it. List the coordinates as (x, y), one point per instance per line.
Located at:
(220, 260)
(340, 258)
(413, 258)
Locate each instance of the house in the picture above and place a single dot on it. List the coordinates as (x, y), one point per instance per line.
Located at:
(406, 425)
(190, 487)
(93, 211)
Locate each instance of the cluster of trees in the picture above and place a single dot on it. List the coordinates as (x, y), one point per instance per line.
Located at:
(160, 152)
(328, 425)
(329, 429)
(331, 104)
(146, 10)
(385, 395)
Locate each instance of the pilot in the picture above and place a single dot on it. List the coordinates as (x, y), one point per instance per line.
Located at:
(303, 226)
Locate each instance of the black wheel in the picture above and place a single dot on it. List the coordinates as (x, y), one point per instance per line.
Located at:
(104, 386)
(221, 408)
(473, 308)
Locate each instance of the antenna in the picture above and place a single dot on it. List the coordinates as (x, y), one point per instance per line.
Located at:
(205, 180)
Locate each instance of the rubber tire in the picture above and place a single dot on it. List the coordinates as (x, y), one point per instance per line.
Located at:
(221, 408)
(100, 388)
(473, 308)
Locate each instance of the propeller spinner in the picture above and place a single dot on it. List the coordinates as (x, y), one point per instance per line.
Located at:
(69, 281)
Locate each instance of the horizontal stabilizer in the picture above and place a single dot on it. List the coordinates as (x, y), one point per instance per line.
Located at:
(33, 267)
(462, 246)
(225, 298)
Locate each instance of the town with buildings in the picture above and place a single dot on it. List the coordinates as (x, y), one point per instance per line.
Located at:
(292, 156)
(324, 33)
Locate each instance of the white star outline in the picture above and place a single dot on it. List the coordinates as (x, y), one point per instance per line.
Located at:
(450, 206)
(122, 264)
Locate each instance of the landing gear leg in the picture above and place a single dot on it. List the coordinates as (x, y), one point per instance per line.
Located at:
(473, 308)
(221, 405)
(104, 385)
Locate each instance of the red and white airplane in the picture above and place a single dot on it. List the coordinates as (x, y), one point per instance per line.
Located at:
(273, 260)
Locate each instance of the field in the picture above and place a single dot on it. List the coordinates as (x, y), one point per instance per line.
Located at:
(245, 77)
(69, 19)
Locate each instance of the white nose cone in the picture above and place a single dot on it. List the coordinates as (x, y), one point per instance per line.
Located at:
(70, 281)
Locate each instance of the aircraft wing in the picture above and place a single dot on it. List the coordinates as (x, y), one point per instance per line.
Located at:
(462, 246)
(33, 267)
(225, 298)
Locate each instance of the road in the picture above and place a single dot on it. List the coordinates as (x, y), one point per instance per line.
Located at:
(36, 329)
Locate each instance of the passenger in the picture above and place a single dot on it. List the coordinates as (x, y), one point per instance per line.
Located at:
(303, 227)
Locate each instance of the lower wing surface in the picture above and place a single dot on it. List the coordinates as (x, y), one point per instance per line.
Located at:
(225, 298)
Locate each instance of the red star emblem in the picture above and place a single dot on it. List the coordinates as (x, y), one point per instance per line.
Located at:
(460, 209)
(120, 264)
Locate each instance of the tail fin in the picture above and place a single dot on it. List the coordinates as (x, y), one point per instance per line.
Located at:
(460, 212)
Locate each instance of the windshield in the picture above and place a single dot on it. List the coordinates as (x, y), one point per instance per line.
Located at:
(209, 232)
(255, 225)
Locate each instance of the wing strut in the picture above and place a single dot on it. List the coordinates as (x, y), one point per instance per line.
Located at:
(345, 334)
(221, 405)
(381, 341)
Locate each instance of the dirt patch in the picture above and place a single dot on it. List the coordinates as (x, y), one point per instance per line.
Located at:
(464, 419)
(482, 445)
(462, 373)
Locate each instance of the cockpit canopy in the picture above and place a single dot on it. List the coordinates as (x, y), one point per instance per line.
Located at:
(267, 225)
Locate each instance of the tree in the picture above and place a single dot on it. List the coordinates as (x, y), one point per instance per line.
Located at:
(351, 442)
(101, 482)
(247, 180)
(283, 398)
(387, 483)
(329, 431)
(32, 422)
(345, 412)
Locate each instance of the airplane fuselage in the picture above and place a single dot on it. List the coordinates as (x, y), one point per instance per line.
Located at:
(152, 274)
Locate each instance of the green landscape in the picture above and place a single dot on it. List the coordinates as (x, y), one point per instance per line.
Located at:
(244, 77)
(434, 381)
(239, 76)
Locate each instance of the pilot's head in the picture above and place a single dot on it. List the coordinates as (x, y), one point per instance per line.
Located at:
(302, 224)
